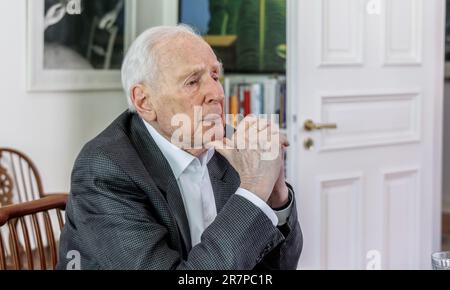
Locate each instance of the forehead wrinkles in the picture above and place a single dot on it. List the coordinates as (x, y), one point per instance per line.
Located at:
(175, 53)
(184, 48)
(164, 54)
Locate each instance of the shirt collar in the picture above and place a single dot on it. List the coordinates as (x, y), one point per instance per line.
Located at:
(179, 160)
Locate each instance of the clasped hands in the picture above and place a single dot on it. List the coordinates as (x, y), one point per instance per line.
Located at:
(256, 151)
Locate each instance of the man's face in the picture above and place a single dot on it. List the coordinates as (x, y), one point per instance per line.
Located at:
(189, 83)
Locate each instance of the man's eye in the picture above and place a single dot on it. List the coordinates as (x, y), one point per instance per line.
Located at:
(192, 83)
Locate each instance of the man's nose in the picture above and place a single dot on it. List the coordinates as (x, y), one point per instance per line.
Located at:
(214, 92)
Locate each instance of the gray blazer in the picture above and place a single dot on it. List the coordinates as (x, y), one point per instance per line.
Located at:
(125, 211)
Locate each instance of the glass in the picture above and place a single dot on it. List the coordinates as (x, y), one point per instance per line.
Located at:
(441, 261)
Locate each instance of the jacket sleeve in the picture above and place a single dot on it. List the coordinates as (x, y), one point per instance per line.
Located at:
(119, 229)
(287, 253)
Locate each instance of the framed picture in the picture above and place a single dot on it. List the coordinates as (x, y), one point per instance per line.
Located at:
(248, 36)
(77, 45)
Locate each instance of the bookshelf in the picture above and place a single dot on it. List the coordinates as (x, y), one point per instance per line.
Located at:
(256, 94)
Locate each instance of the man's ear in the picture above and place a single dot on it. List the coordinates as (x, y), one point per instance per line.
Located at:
(140, 96)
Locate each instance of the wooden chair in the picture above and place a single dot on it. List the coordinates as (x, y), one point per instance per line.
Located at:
(19, 178)
(31, 231)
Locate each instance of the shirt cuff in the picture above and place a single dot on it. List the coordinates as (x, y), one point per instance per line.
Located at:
(261, 204)
(284, 214)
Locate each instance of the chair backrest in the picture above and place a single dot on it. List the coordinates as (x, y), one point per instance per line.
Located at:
(19, 178)
(31, 229)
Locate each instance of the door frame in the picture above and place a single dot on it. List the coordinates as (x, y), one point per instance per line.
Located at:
(292, 75)
(439, 126)
(170, 12)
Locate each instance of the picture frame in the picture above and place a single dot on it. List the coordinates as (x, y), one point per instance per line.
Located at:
(87, 75)
(242, 33)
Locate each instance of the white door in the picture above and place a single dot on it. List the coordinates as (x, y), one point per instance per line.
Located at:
(368, 191)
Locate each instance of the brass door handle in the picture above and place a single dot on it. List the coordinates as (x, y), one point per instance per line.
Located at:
(310, 126)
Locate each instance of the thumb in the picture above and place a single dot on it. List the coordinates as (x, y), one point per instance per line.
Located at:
(224, 147)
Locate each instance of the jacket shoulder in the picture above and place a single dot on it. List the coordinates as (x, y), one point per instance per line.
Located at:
(116, 132)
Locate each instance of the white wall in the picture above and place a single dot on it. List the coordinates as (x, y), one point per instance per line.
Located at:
(156, 12)
(52, 127)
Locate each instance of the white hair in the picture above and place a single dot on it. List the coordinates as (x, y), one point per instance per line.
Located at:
(141, 63)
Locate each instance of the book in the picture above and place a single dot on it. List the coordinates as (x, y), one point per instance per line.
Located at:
(257, 96)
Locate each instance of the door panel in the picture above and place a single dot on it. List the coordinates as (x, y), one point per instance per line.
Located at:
(369, 186)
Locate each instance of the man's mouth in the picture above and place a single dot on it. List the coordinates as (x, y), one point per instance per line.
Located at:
(212, 118)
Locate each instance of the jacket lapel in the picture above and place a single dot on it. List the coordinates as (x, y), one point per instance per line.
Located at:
(161, 173)
(224, 179)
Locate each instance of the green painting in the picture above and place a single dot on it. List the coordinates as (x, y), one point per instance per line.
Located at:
(248, 35)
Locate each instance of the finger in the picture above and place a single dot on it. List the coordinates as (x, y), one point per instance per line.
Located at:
(269, 142)
(248, 122)
(225, 144)
(248, 127)
(225, 148)
(263, 124)
(272, 127)
(271, 133)
(252, 135)
(284, 140)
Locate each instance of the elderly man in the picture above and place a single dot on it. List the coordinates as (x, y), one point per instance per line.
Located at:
(140, 202)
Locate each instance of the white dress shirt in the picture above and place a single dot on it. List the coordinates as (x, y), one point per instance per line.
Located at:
(196, 189)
